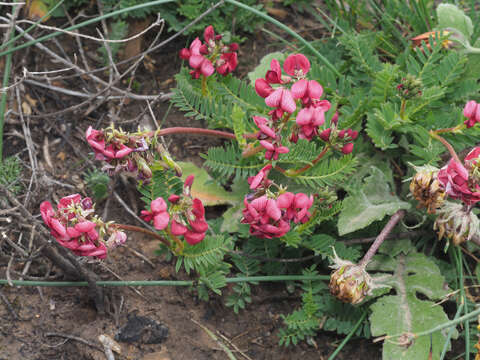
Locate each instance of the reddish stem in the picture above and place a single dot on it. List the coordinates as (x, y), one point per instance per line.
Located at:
(381, 237)
(141, 230)
(445, 143)
(198, 131)
(306, 167)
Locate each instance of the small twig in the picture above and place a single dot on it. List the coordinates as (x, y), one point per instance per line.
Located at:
(214, 338)
(9, 306)
(76, 338)
(233, 345)
(140, 255)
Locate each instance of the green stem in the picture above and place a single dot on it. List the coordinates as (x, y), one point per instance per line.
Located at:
(33, 26)
(288, 30)
(3, 100)
(347, 338)
(402, 108)
(440, 327)
(464, 301)
(450, 333)
(163, 282)
(85, 23)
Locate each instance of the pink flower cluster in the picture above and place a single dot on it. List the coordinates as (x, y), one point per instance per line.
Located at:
(462, 182)
(472, 112)
(212, 55)
(284, 93)
(186, 215)
(121, 151)
(74, 226)
(270, 215)
(342, 138)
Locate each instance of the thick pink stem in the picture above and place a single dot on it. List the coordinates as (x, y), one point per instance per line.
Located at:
(199, 131)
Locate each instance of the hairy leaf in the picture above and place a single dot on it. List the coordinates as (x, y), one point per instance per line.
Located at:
(370, 203)
(404, 313)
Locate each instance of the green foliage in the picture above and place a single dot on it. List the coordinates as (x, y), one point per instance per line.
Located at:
(405, 313)
(10, 174)
(204, 255)
(318, 311)
(97, 183)
(369, 203)
(162, 184)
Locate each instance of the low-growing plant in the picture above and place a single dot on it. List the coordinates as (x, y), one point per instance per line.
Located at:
(317, 156)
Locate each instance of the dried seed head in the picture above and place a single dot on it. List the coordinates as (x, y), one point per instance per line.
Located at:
(426, 189)
(457, 223)
(349, 284)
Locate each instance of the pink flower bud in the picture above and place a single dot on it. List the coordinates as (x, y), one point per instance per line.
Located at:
(335, 118)
(347, 148)
(325, 134)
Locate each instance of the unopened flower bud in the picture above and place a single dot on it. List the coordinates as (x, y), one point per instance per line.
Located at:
(335, 118)
(325, 134)
(347, 148)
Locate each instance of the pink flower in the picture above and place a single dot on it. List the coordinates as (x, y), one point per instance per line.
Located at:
(209, 34)
(265, 218)
(274, 75)
(296, 65)
(158, 213)
(281, 98)
(265, 130)
(296, 206)
(74, 226)
(263, 88)
(307, 90)
(273, 149)
(472, 112)
(96, 140)
(227, 63)
(454, 178)
(309, 119)
(260, 178)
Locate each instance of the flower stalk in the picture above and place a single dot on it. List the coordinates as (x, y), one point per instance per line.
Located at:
(142, 231)
(445, 143)
(381, 237)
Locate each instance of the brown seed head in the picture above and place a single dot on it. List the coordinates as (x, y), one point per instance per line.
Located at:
(426, 189)
(349, 284)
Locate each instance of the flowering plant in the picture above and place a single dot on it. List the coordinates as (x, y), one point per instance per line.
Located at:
(298, 174)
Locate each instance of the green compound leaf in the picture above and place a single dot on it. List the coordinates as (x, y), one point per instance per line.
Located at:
(450, 16)
(404, 313)
(264, 66)
(372, 202)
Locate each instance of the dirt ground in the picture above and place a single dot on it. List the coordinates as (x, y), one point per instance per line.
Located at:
(61, 323)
